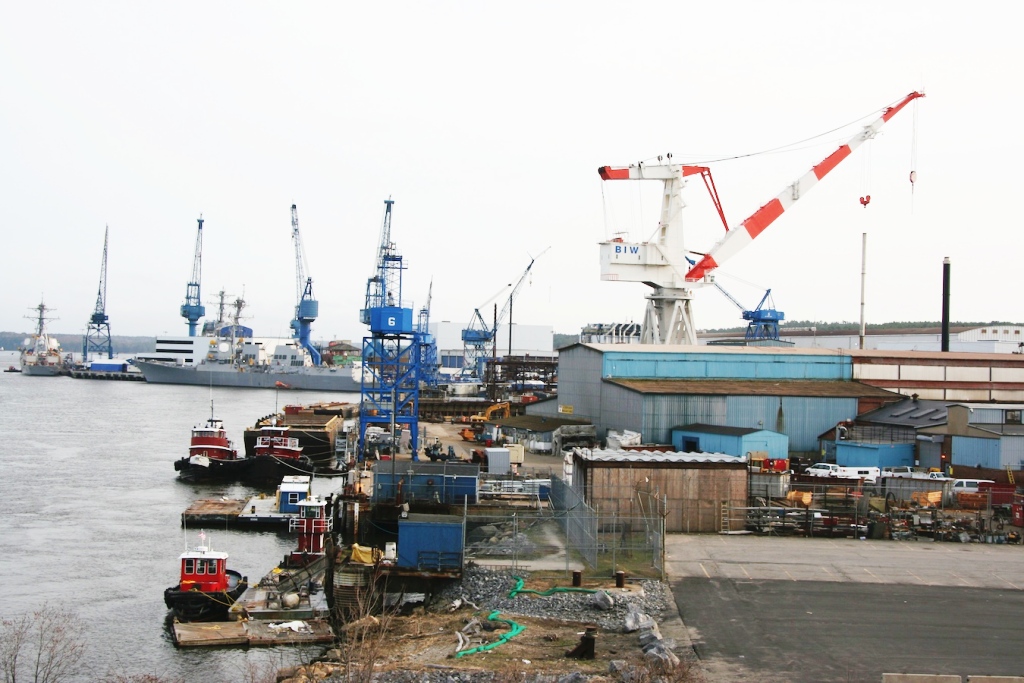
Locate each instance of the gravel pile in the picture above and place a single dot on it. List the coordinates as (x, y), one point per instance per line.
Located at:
(488, 589)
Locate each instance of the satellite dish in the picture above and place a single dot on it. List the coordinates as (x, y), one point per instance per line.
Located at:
(223, 347)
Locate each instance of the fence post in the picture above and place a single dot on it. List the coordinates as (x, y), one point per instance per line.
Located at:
(615, 527)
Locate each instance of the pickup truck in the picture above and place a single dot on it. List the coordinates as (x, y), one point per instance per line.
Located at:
(907, 472)
(828, 469)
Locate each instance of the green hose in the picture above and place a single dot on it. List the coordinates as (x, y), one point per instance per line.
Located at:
(516, 630)
(519, 589)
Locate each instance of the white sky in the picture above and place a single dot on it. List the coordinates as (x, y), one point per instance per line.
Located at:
(486, 123)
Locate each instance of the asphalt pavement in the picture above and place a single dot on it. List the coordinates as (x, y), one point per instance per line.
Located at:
(819, 610)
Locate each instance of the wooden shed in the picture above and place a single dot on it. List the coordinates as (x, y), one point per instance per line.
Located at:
(697, 489)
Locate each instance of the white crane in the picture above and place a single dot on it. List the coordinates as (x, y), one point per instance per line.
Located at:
(662, 264)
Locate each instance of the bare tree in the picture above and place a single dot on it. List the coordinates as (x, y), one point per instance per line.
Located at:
(44, 646)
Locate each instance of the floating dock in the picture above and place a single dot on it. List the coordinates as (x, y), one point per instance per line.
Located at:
(218, 512)
(255, 633)
(269, 599)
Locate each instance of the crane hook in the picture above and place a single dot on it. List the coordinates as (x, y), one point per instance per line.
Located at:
(865, 200)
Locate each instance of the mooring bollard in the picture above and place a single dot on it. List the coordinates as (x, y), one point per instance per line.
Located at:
(620, 579)
(577, 578)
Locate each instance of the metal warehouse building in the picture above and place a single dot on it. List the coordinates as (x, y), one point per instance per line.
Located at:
(797, 392)
(651, 389)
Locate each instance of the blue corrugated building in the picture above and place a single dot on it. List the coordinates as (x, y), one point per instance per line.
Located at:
(651, 389)
(851, 454)
(702, 438)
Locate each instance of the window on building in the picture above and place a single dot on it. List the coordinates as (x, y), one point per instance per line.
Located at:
(1013, 417)
(293, 498)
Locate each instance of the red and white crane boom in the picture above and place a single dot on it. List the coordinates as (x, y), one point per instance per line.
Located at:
(662, 264)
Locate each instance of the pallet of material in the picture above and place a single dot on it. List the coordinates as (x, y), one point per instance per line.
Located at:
(804, 498)
(972, 501)
(212, 511)
(206, 634)
(926, 498)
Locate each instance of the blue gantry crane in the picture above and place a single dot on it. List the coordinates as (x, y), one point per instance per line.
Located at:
(306, 307)
(763, 321)
(192, 310)
(391, 354)
(97, 331)
(479, 334)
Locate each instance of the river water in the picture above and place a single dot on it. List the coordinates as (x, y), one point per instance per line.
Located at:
(90, 510)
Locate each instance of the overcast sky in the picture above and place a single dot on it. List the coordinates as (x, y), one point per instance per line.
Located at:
(486, 124)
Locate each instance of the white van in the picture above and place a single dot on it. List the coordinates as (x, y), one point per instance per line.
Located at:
(968, 485)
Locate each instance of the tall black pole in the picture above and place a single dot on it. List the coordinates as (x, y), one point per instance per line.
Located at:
(945, 304)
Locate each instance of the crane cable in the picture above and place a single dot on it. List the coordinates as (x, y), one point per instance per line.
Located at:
(913, 158)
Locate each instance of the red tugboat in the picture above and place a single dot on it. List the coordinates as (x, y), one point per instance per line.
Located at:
(207, 588)
(277, 454)
(211, 455)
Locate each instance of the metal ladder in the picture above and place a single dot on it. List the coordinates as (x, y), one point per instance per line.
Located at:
(1009, 474)
(725, 517)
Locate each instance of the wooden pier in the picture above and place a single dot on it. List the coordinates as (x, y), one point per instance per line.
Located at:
(254, 633)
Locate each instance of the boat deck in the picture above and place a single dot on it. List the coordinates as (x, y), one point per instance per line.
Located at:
(262, 510)
(255, 633)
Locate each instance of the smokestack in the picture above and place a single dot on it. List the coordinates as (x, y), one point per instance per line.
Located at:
(945, 304)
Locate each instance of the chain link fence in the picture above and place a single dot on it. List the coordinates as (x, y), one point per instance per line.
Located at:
(564, 535)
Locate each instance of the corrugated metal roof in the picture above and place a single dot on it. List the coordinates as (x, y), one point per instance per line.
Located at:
(655, 456)
(755, 387)
(718, 429)
(537, 423)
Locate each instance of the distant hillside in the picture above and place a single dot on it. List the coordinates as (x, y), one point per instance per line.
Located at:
(72, 343)
(924, 327)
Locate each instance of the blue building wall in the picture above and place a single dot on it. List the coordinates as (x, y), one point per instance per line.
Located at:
(969, 451)
(853, 454)
(438, 488)
(801, 418)
(776, 445)
(430, 545)
(701, 365)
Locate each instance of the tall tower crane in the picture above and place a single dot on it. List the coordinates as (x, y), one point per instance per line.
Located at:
(391, 354)
(479, 334)
(306, 307)
(662, 264)
(97, 331)
(192, 310)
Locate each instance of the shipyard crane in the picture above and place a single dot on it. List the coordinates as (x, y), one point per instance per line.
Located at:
(763, 322)
(662, 264)
(192, 310)
(306, 307)
(97, 331)
(479, 333)
(391, 369)
(380, 287)
(427, 343)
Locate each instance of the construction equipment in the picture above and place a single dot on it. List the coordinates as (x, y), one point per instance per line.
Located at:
(763, 321)
(97, 331)
(192, 310)
(662, 264)
(306, 307)
(479, 334)
(497, 410)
